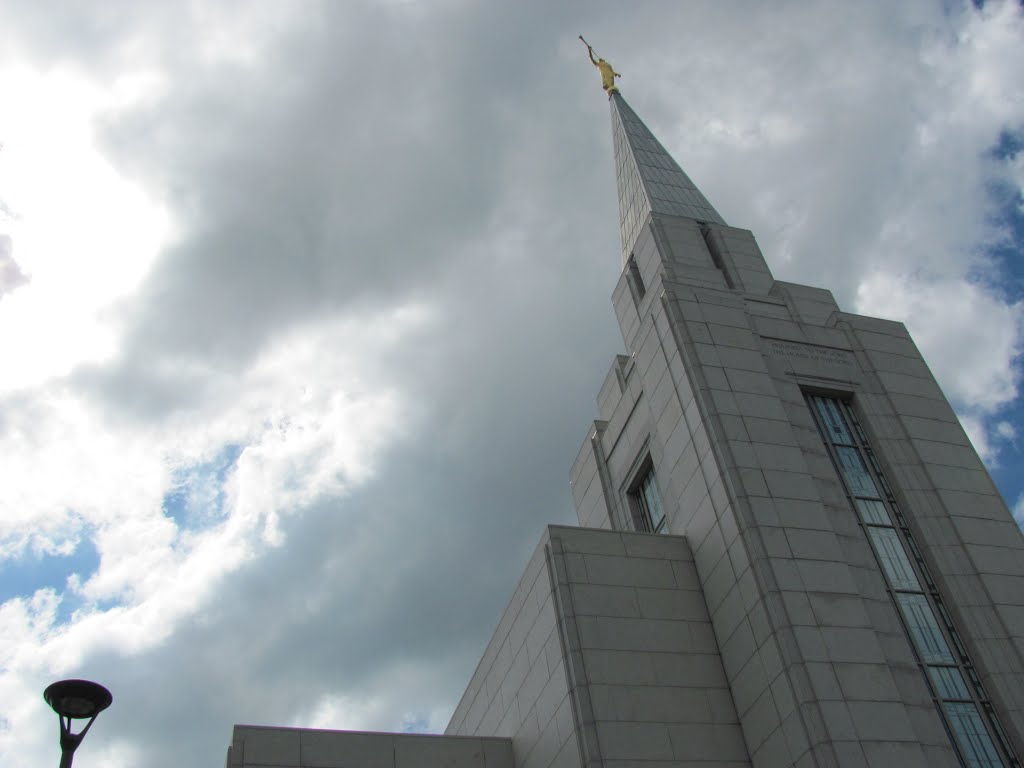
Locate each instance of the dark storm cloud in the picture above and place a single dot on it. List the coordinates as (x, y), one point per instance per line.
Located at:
(346, 170)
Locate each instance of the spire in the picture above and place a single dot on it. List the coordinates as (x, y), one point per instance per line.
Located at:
(649, 180)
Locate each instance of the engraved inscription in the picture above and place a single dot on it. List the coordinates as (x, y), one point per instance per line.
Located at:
(809, 352)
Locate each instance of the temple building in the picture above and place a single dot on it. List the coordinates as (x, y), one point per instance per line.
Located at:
(789, 553)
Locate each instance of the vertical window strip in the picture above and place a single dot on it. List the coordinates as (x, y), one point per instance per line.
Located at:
(872, 512)
(644, 502)
(832, 418)
(978, 747)
(949, 683)
(652, 502)
(639, 513)
(894, 559)
(837, 425)
(924, 629)
(855, 471)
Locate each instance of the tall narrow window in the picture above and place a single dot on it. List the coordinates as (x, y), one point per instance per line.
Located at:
(927, 622)
(635, 280)
(970, 730)
(645, 504)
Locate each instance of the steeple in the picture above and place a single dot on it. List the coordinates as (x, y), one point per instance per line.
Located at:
(649, 180)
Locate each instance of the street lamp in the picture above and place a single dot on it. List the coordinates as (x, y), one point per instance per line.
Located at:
(75, 700)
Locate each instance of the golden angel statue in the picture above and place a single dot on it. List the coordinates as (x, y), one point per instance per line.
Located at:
(608, 74)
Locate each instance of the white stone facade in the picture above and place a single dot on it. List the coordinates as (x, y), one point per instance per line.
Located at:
(606, 656)
(268, 747)
(713, 399)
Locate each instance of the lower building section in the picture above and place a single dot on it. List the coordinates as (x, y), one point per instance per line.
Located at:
(255, 746)
(606, 657)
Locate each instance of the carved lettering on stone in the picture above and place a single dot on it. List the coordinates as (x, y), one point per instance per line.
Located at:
(809, 353)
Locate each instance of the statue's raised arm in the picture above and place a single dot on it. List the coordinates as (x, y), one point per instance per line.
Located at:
(608, 74)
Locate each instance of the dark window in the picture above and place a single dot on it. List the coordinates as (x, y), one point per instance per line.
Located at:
(894, 559)
(920, 619)
(636, 282)
(949, 683)
(645, 503)
(974, 739)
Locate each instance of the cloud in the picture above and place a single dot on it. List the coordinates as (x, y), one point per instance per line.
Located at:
(970, 337)
(315, 436)
(318, 323)
(1016, 171)
(84, 234)
(11, 276)
(296, 415)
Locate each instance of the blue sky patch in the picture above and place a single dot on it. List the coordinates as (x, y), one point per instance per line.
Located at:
(197, 498)
(1009, 474)
(416, 724)
(1008, 216)
(22, 576)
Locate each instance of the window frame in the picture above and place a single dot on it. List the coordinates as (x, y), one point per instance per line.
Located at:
(643, 480)
(841, 440)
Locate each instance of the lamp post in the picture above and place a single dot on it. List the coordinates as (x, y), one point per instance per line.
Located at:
(75, 700)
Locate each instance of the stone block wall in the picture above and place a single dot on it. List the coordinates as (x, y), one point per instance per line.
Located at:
(520, 689)
(262, 747)
(713, 395)
(639, 676)
(644, 665)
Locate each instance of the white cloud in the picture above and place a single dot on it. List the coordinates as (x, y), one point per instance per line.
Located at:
(979, 437)
(400, 689)
(308, 428)
(1006, 430)
(358, 715)
(83, 234)
(969, 336)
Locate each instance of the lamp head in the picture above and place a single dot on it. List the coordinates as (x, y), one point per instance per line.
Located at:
(78, 699)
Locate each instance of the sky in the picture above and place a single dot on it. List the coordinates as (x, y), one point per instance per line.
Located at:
(304, 307)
